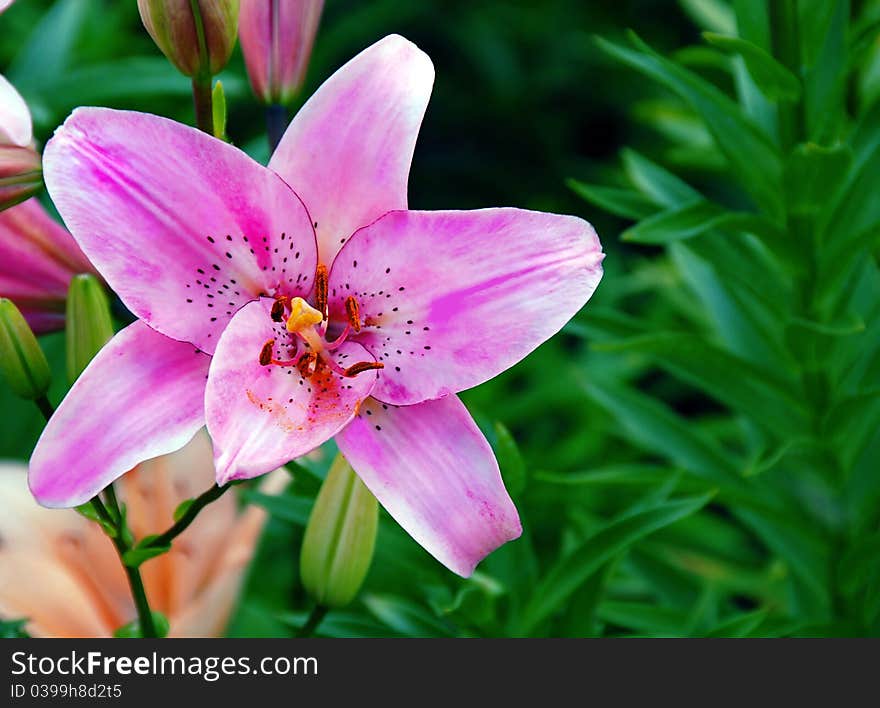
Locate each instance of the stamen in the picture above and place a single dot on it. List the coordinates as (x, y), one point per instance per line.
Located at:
(277, 310)
(361, 367)
(304, 364)
(321, 282)
(266, 353)
(353, 310)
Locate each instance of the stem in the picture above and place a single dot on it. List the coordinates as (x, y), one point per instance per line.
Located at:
(180, 526)
(201, 87)
(276, 124)
(201, 83)
(315, 618)
(139, 594)
(46, 408)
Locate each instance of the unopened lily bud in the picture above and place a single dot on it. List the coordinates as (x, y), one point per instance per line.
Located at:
(22, 362)
(176, 30)
(21, 174)
(89, 325)
(276, 38)
(340, 536)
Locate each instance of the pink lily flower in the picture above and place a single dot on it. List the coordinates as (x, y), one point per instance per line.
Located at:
(15, 118)
(316, 305)
(60, 572)
(276, 39)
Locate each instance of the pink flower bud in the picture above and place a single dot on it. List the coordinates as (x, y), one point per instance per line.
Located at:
(21, 174)
(173, 27)
(276, 38)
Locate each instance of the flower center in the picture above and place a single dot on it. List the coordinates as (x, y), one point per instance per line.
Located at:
(309, 325)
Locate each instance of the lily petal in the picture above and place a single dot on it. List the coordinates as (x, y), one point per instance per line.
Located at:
(348, 151)
(15, 118)
(184, 227)
(453, 298)
(141, 396)
(263, 416)
(434, 472)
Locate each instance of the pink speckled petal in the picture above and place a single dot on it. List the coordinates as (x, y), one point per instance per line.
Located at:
(142, 396)
(276, 40)
(184, 227)
(15, 118)
(37, 260)
(453, 298)
(263, 416)
(433, 471)
(348, 151)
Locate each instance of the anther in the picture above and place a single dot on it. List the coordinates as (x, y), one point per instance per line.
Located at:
(361, 367)
(321, 281)
(353, 310)
(277, 311)
(304, 364)
(266, 353)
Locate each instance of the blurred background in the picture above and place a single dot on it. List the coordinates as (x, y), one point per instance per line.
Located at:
(611, 453)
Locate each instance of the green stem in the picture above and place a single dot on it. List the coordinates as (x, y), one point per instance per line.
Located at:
(46, 408)
(201, 83)
(276, 124)
(203, 101)
(197, 505)
(315, 618)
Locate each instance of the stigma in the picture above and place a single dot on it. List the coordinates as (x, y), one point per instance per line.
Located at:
(302, 316)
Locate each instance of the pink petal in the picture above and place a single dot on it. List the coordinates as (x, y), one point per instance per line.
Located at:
(276, 40)
(263, 416)
(347, 152)
(37, 260)
(433, 471)
(15, 118)
(457, 297)
(4, 4)
(142, 396)
(184, 227)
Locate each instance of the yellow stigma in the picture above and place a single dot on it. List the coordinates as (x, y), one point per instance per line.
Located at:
(302, 315)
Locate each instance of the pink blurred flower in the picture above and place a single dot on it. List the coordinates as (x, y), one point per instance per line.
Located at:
(15, 118)
(5, 4)
(60, 572)
(276, 39)
(38, 257)
(326, 311)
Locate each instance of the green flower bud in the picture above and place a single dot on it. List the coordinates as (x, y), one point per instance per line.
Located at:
(89, 325)
(183, 36)
(340, 536)
(21, 174)
(22, 362)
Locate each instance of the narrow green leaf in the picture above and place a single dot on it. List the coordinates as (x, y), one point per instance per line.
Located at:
(182, 508)
(694, 219)
(655, 182)
(405, 616)
(573, 570)
(715, 15)
(812, 173)
(740, 626)
(775, 81)
(510, 460)
(624, 203)
(644, 619)
(751, 154)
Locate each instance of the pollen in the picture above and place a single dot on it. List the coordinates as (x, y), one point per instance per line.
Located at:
(354, 313)
(302, 315)
(361, 367)
(266, 353)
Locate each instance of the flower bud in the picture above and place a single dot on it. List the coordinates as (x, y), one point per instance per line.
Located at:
(22, 362)
(89, 325)
(276, 38)
(175, 29)
(21, 174)
(340, 536)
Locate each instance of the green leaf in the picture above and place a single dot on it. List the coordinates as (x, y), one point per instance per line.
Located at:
(752, 156)
(573, 570)
(287, 507)
(405, 617)
(740, 626)
(510, 460)
(775, 81)
(658, 184)
(141, 553)
(624, 203)
(13, 629)
(812, 173)
(132, 630)
(644, 619)
(182, 508)
(734, 381)
(621, 474)
(694, 219)
(715, 15)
